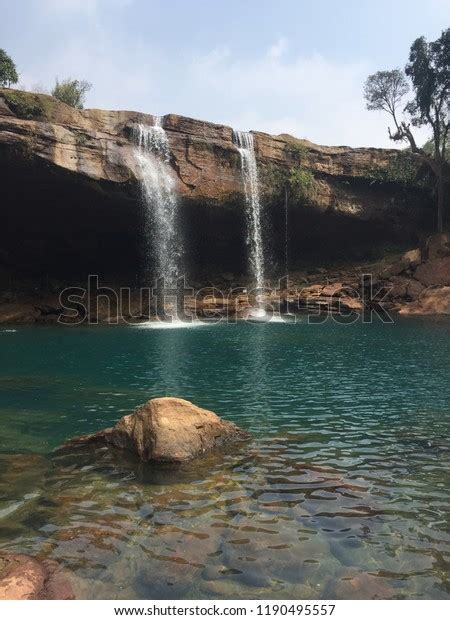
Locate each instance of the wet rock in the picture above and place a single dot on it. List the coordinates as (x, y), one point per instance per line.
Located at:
(166, 430)
(414, 289)
(395, 269)
(430, 301)
(434, 272)
(437, 246)
(23, 577)
(399, 286)
(359, 585)
(172, 579)
(414, 257)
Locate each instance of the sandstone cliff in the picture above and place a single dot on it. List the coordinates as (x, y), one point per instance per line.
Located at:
(71, 201)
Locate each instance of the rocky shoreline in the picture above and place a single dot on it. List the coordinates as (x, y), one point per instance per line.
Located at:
(415, 283)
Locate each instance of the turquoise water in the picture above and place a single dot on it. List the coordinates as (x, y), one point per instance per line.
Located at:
(343, 491)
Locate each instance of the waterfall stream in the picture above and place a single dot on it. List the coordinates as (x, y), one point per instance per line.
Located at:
(245, 145)
(160, 201)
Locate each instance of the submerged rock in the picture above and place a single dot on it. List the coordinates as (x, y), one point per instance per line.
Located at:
(23, 577)
(166, 430)
(355, 584)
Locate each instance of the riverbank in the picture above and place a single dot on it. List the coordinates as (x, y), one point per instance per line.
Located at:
(416, 282)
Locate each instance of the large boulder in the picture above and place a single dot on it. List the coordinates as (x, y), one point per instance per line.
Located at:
(167, 430)
(430, 301)
(434, 272)
(23, 577)
(396, 268)
(437, 246)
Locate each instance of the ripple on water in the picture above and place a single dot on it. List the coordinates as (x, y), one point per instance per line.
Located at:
(343, 492)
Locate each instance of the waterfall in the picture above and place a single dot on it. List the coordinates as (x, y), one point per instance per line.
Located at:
(286, 232)
(245, 146)
(160, 201)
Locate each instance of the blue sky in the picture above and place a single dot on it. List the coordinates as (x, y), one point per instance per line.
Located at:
(294, 66)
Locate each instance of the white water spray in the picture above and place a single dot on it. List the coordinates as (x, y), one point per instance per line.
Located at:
(245, 145)
(160, 200)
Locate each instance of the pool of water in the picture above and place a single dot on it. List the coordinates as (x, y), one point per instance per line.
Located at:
(343, 492)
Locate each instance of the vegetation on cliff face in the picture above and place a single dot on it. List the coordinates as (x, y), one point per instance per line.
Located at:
(402, 170)
(429, 73)
(301, 183)
(297, 182)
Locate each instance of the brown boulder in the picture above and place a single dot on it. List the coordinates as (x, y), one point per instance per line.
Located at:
(438, 246)
(399, 286)
(434, 272)
(396, 268)
(414, 257)
(414, 289)
(167, 430)
(23, 577)
(431, 301)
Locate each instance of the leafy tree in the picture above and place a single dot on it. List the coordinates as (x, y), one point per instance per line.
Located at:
(72, 92)
(429, 73)
(8, 71)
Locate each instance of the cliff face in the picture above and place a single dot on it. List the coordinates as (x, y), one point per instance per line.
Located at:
(71, 200)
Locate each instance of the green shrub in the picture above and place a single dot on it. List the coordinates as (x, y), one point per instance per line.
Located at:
(303, 185)
(72, 92)
(296, 151)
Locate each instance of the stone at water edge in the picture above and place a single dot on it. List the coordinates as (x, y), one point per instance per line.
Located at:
(23, 577)
(166, 430)
(434, 300)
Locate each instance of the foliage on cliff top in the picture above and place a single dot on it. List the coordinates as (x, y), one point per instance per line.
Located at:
(37, 106)
(72, 92)
(24, 105)
(428, 71)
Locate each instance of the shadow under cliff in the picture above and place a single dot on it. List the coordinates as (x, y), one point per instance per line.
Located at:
(62, 226)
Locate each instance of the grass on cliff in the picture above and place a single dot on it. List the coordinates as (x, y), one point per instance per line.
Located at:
(28, 105)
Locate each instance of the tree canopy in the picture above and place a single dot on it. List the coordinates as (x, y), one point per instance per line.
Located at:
(72, 92)
(428, 71)
(8, 71)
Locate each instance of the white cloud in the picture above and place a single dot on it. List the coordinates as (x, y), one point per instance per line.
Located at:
(277, 50)
(309, 96)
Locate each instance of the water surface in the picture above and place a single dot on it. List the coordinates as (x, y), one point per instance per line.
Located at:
(343, 491)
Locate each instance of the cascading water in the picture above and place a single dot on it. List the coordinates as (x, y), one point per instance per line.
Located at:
(245, 146)
(160, 200)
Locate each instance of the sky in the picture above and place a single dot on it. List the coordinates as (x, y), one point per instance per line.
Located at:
(286, 66)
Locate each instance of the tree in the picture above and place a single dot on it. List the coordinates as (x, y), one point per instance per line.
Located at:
(8, 71)
(72, 92)
(429, 73)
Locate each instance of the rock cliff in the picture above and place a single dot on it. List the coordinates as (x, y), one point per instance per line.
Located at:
(71, 201)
